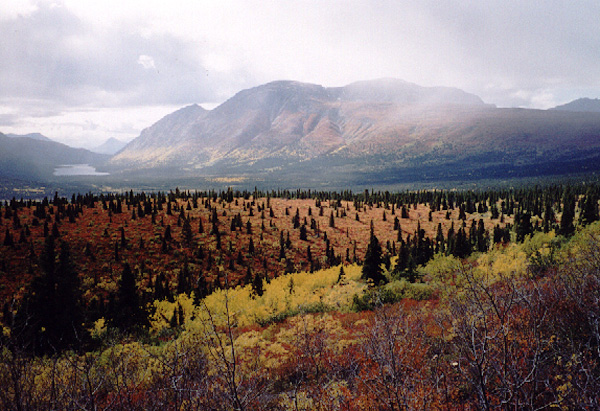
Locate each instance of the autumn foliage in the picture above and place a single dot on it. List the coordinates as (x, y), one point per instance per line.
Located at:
(260, 301)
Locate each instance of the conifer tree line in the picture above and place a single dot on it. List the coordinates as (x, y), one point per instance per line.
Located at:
(52, 315)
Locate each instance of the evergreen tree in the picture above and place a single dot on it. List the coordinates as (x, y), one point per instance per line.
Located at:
(567, 228)
(123, 239)
(251, 247)
(303, 233)
(183, 279)
(201, 289)
(439, 239)
(548, 217)
(341, 275)
(296, 219)
(8, 240)
(50, 318)
(128, 313)
(186, 232)
(589, 209)
(523, 226)
(482, 242)
(69, 317)
(372, 265)
(258, 288)
(167, 235)
(462, 246)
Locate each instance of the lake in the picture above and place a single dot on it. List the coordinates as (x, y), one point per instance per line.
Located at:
(77, 170)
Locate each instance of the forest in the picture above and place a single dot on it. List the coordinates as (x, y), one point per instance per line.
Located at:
(302, 300)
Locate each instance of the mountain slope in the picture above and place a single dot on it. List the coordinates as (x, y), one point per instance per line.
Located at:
(383, 130)
(26, 158)
(280, 119)
(581, 104)
(33, 136)
(110, 147)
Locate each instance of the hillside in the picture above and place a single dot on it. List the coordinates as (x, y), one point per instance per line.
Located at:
(382, 131)
(581, 104)
(110, 146)
(183, 300)
(35, 159)
(33, 136)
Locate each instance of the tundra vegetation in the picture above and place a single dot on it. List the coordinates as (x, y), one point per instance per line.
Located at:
(299, 300)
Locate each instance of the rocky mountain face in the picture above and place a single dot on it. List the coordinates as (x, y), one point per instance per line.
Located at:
(380, 131)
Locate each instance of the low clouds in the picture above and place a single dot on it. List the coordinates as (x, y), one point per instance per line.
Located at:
(75, 56)
(55, 56)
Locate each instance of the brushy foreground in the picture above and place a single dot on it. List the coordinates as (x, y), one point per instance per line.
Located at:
(514, 328)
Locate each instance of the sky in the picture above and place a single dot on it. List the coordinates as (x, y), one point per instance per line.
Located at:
(82, 71)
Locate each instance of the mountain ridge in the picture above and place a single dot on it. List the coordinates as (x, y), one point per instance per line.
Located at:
(281, 118)
(28, 158)
(581, 104)
(33, 136)
(380, 133)
(111, 146)
(381, 130)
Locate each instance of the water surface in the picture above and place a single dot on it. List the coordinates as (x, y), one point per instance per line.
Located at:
(77, 170)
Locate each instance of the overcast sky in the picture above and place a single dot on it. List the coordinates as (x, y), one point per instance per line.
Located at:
(82, 71)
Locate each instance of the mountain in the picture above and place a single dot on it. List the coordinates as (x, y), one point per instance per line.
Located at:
(35, 159)
(371, 132)
(280, 119)
(110, 146)
(33, 136)
(581, 104)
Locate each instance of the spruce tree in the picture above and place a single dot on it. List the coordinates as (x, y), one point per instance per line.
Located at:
(567, 228)
(128, 313)
(589, 209)
(50, 318)
(258, 288)
(372, 265)
(186, 232)
(8, 240)
(523, 226)
(341, 275)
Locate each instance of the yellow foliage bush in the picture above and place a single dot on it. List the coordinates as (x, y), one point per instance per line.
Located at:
(441, 267)
(283, 296)
(163, 311)
(502, 262)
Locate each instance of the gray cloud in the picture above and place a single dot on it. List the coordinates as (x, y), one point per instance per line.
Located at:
(54, 56)
(65, 59)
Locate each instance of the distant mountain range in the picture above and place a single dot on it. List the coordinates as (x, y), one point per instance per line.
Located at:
(110, 146)
(374, 132)
(381, 132)
(582, 104)
(34, 158)
(33, 136)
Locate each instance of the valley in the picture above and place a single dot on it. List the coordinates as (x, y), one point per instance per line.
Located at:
(298, 290)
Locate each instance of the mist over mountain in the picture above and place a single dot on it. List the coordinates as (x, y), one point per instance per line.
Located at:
(291, 134)
(381, 131)
(284, 120)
